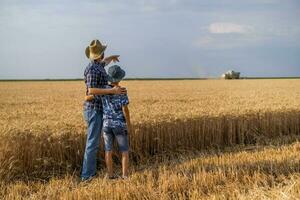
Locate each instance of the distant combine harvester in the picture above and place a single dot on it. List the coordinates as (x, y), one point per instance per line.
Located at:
(231, 75)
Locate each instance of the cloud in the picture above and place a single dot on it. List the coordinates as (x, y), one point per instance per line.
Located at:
(221, 28)
(225, 35)
(227, 41)
(149, 8)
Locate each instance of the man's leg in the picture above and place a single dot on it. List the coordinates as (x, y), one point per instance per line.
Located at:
(94, 123)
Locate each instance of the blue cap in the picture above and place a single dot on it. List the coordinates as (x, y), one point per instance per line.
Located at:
(115, 74)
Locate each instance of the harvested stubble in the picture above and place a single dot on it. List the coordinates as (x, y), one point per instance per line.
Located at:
(258, 173)
(43, 133)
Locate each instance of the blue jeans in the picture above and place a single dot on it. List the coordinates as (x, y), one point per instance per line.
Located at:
(94, 122)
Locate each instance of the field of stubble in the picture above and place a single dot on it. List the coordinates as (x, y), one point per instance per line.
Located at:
(206, 139)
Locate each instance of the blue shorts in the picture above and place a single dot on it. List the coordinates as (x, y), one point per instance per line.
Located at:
(118, 133)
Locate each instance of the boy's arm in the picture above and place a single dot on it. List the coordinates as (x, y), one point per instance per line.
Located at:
(89, 97)
(127, 117)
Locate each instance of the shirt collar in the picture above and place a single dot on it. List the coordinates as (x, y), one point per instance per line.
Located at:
(98, 64)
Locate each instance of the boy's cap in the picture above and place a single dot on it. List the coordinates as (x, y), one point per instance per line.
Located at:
(115, 74)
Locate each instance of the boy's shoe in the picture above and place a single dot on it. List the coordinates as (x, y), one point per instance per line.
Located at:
(111, 177)
(124, 177)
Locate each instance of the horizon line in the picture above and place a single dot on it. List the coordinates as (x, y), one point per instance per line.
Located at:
(157, 78)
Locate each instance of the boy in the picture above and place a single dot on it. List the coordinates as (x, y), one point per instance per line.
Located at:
(116, 122)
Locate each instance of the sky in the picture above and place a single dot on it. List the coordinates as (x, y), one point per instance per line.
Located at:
(154, 38)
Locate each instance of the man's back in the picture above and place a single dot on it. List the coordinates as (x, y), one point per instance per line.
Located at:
(95, 77)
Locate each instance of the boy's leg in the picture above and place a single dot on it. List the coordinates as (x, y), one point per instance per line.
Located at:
(125, 161)
(94, 122)
(122, 140)
(109, 163)
(108, 144)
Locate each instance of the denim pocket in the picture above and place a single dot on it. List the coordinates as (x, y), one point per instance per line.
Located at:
(86, 115)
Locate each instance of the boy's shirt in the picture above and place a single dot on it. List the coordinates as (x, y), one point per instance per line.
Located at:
(112, 109)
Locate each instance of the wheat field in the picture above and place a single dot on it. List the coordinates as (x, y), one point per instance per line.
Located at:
(191, 139)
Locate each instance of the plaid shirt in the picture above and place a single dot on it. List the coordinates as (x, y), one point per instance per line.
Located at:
(112, 109)
(95, 77)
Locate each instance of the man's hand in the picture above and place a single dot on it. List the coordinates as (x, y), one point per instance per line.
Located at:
(115, 58)
(119, 90)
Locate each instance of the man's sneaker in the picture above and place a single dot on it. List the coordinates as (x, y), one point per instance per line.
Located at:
(87, 180)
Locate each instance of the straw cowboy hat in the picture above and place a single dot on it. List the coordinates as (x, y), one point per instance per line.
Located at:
(95, 50)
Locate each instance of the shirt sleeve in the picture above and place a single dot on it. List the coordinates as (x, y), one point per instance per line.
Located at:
(91, 79)
(124, 100)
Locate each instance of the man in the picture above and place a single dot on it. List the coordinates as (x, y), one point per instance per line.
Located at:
(95, 78)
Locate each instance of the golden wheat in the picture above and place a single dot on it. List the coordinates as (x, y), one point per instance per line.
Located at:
(42, 132)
